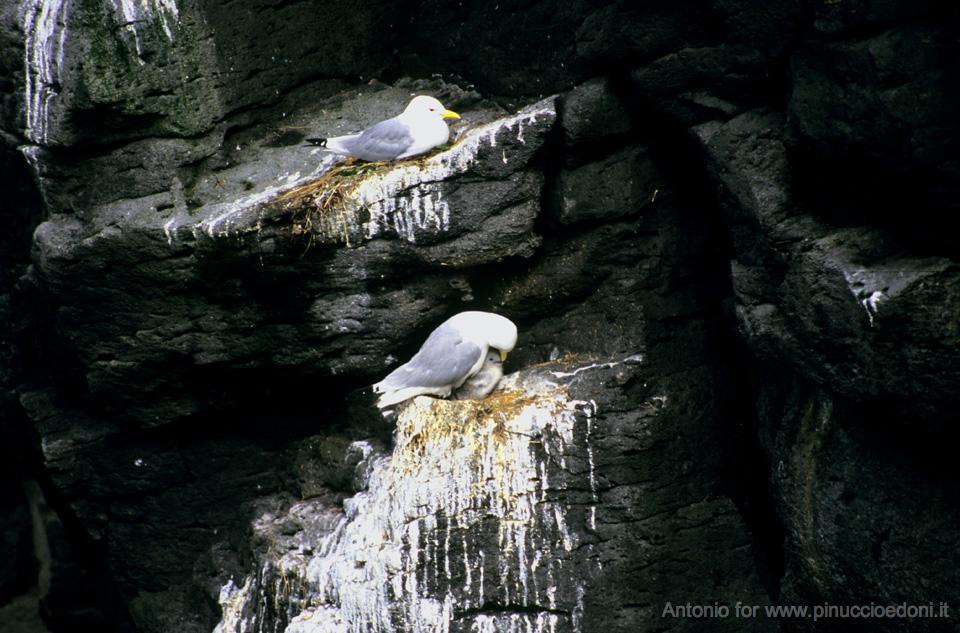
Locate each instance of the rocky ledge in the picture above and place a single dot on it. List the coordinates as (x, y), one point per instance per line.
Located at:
(520, 512)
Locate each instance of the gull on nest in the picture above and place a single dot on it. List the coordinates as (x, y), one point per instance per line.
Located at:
(418, 129)
(453, 353)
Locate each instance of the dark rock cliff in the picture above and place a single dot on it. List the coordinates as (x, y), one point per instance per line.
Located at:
(723, 228)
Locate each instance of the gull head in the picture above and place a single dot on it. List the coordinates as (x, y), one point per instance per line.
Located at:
(424, 107)
(487, 330)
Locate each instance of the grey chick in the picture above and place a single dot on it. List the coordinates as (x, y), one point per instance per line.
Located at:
(479, 385)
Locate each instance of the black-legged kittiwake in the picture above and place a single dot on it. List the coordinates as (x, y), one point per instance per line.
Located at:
(418, 129)
(453, 352)
(479, 385)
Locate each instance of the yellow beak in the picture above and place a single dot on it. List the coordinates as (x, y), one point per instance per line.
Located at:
(449, 114)
(503, 355)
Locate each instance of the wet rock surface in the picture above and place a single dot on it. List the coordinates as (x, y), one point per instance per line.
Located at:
(722, 228)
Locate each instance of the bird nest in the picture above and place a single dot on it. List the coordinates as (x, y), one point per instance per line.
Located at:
(437, 417)
(325, 208)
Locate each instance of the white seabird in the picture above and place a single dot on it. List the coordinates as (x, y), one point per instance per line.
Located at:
(418, 129)
(453, 352)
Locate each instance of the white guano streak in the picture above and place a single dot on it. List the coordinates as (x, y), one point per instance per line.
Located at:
(44, 25)
(406, 200)
(408, 197)
(859, 282)
(131, 14)
(377, 570)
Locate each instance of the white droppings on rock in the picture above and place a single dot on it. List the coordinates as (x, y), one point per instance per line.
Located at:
(483, 560)
(544, 480)
(865, 287)
(567, 537)
(578, 610)
(870, 304)
(551, 595)
(408, 197)
(468, 576)
(227, 591)
(219, 218)
(590, 411)
(463, 493)
(44, 24)
(31, 153)
(364, 447)
(133, 15)
(515, 623)
(232, 602)
(168, 230)
(314, 620)
(423, 210)
(565, 374)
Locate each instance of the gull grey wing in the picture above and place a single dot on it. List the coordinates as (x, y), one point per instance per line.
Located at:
(443, 361)
(384, 141)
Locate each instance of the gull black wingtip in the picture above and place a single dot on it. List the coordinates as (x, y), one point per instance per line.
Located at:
(319, 142)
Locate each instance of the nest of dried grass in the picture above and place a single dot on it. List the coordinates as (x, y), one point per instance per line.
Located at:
(325, 207)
